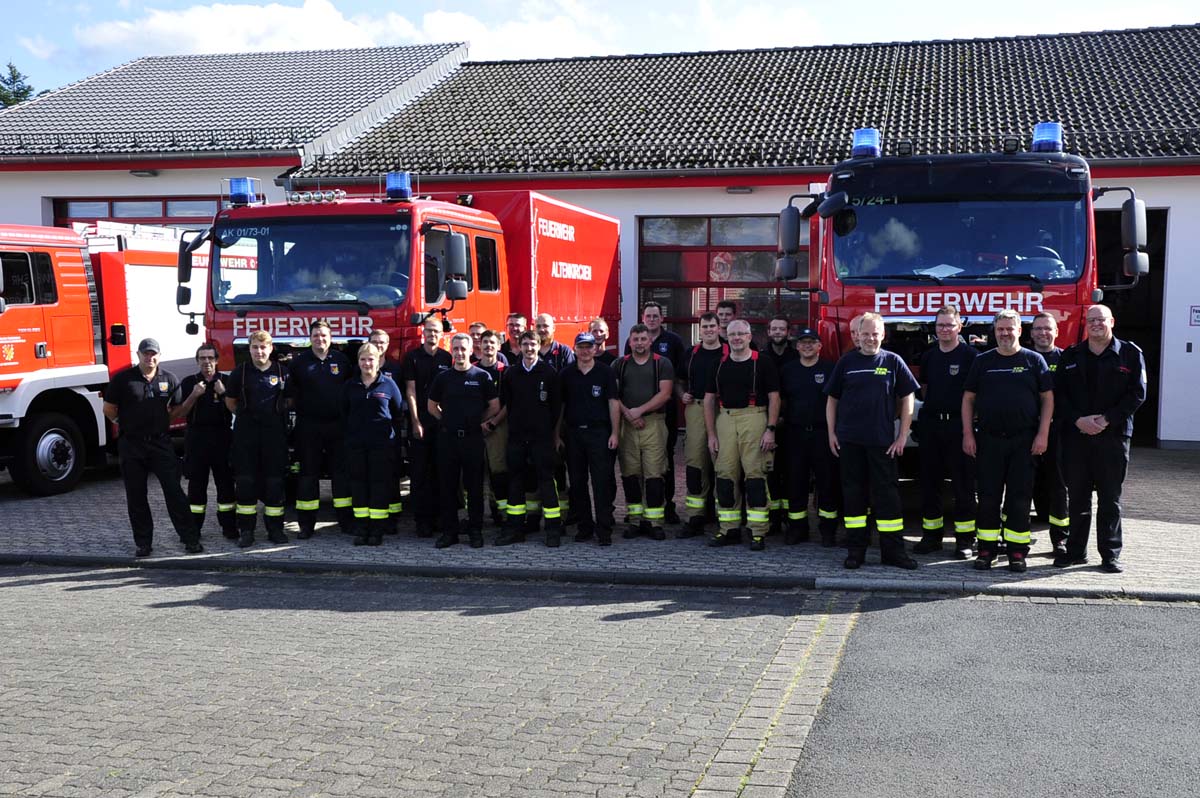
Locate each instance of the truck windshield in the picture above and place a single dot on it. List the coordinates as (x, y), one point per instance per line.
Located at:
(1040, 240)
(298, 262)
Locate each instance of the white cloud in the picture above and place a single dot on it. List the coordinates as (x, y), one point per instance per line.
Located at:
(38, 46)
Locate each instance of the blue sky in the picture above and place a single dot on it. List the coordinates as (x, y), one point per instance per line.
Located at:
(61, 41)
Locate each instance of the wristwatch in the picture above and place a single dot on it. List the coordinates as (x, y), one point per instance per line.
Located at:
(770, 427)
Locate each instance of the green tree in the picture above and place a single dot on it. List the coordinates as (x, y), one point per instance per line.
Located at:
(13, 87)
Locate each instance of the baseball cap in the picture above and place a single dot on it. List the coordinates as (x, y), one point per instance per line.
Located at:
(149, 345)
(807, 332)
(585, 338)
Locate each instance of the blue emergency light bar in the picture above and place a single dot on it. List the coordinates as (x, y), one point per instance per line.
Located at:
(866, 143)
(399, 185)
(1047, 137)
(242, 191)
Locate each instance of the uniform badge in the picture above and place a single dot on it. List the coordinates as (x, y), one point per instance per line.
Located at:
(953, 369)
(819, 379)
(274, 380)
(334, 369)
(542, 392)
(163, 386)
(596, 391)
(663, 347)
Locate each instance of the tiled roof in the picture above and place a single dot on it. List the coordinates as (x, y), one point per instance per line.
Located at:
(1119, 94)
(189, 103)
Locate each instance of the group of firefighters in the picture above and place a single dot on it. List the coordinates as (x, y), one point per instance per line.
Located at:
(535, 428)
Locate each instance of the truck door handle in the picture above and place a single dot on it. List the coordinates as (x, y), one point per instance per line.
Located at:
(40, 350)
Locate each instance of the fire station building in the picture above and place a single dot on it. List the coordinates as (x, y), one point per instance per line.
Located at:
(695, 153)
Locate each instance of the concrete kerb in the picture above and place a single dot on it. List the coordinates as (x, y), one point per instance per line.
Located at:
(912, 585)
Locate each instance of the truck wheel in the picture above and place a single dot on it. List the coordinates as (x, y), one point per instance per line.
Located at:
(49, 457)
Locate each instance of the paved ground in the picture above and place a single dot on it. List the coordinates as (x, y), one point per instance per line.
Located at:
(940, 699)
(1162, 516)
(137, 682)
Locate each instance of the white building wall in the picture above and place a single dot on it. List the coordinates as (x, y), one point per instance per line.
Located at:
(27, 197)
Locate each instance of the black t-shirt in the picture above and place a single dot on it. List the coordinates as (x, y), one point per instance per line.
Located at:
(944, 375)
(699, 368)
(421, 367)
(370, 411)
(867, 388)
(605, 357)
(586, 396)
(142, 405)
(731, 381)
(533, 399)
(1007, 390)
(209, 412)
(316, 385)
(464, 397)
(510, 353)
(1052, 357)
(789, 354)
(259, 394)
(803, 390)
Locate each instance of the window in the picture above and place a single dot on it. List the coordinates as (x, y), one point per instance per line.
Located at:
(18, 278)
(46, 290)
(489, 264)
(162, 211)
(689, 263)
(435, 253)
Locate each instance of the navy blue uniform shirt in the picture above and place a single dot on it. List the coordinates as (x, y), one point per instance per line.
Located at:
(944, 374)
(259, 394)
(867, 388)
(803, 390)
(209, 411)
(316, 385)
(421, 367)
(559, 356)
(1120, 385)
(1007, 390)
(533, 398)
(142, 405)
(464, 397)
(369, 412)
(585, 396)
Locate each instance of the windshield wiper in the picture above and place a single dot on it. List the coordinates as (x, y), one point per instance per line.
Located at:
(245, 307)
(364, 307)
(916, 278)
(1037, 281)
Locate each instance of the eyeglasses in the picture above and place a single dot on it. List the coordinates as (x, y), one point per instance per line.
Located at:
(946, 326)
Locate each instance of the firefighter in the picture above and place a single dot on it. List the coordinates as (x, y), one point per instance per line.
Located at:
(1101, 382)
(1049, 484)
(476, 329)
(371, 405)
(598, 327)
(781, 352)
(868, 389)
(514, 325)
(1009, 397)
(802, 388)
(726, 311)
(559, 356)
(530, 394)
(944, 369)
(460, 398)
(392, 368)
(495, 431)
(592, 420)
(142, 400)
(665, 343)
(255, 394)
(206, 444)
(698, 468)
(645, 383)
(420, 367)
(315, 380)
(741, 411)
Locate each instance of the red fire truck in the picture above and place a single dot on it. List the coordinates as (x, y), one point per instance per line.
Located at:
(73, 304)
(370, 262)
(905, 234)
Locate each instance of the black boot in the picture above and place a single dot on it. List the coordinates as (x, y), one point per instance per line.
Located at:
(891, 552)
(964, 546)
(475, 536)
(797, 531)
(604, 536)
(854, 559)
(930, 542)
(553, 533)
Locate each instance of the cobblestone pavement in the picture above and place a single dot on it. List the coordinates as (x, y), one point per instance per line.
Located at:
(1162, 530)
(143, 682)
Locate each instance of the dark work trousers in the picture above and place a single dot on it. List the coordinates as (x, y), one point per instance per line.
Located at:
(424, 493)
(807, 460)
(1095, 463)
(1050, 488)
(778, 482)
(590, 459)
(869, 479)
(206, 450)
(1005, 468)
(460, 461)
(536, 456)
(941, 456)
(372, 477)
(320, 447)
(141, 457)
(260, 455)
(671, 416)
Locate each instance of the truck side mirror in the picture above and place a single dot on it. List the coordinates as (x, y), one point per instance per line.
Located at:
(183, 295)
(787, 267)
(186, 247)
(1137, 264)
(117, 335)
(1133, 225)
(456, 255)
(416, 319)
(844, 222)
(456, 290)
(832, 204)
(789, 233)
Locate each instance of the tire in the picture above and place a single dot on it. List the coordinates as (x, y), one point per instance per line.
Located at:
(49, 456)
